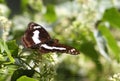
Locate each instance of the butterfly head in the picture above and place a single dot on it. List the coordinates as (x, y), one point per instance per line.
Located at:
(33, 26)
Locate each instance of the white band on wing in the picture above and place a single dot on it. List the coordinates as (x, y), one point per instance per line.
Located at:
(35, 37)
(52, 47)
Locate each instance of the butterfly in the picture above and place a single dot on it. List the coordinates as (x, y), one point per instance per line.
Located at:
(36, 37)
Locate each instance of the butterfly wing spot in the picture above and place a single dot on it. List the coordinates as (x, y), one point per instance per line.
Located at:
(35, 37)
(52, 47)
(73, 51)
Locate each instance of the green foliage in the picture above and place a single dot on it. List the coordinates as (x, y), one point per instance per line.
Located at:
(13, 48)
(112, 16)
(115, 77)
(21, 72)
(74, 23)
(89, 49)
(24, 78)
(50, 14)
(110, 41)
(5, 50)
(9, 55)
(24, 4)
(1, 1)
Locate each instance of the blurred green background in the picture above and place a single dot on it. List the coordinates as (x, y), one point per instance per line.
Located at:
(91, 26)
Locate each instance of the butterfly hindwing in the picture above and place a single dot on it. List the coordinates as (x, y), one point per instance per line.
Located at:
(57, 47)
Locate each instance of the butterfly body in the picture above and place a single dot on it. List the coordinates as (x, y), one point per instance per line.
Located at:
(36, 37)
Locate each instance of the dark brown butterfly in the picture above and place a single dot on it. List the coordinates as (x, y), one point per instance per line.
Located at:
(36, 37)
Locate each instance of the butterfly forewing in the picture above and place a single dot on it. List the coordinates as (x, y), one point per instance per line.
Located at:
(35, 34)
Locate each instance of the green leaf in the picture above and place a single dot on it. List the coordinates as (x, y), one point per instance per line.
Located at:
(89, 50)
(110, 40)
(34, 6)
(101, 45)
(112, 16)
(20, 72)
(13, 47)
(1, 58)
(1, 46)
(50, 15)
(25, 78)
(24, 4)
(6, 49)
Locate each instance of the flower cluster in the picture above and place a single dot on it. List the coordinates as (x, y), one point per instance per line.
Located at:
(115, 77)
(5, 25)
